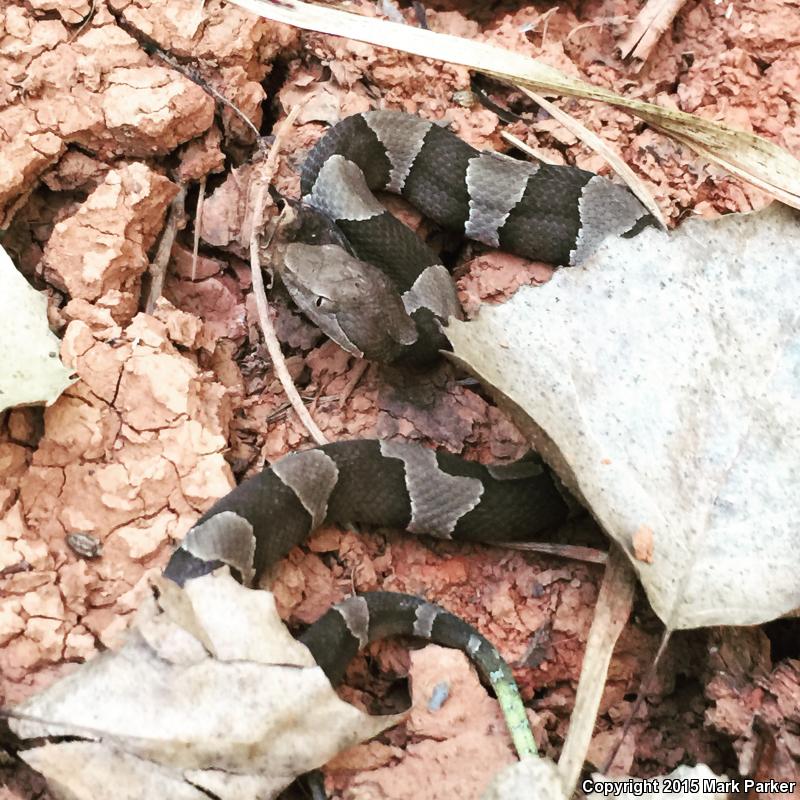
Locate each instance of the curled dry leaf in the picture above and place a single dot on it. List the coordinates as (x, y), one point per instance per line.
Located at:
(30, 369)
(664, 379)
(210, 690)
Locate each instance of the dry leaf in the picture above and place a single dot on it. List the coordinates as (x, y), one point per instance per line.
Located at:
(30, 369)
(210, 690)
(675, 357)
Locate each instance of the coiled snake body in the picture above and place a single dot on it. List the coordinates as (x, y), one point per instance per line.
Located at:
(359, 266)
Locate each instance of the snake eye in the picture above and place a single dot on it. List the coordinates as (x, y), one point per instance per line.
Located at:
(319, 301)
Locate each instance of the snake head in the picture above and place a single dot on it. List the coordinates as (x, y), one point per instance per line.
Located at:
(351, 301)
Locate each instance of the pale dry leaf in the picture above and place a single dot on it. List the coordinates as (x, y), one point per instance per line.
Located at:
(105, 772)
(243, 723)
(663, 379)
(30, 369)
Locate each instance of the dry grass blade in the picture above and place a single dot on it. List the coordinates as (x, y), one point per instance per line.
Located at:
(526, 148)
(198, 221)
(571, 551)
(610, 615)
(257, 195)
(750, 157)
(635, 184)
(651, 22)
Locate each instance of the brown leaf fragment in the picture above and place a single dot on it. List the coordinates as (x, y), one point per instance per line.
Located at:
(167, 698)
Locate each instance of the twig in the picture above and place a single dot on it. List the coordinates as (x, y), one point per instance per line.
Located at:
(193, 75)
(257, 193)
(198, 218)
(360, 368)
(158, 267)
(190, 72)
(599, 23)
(574, 552)
(84, 23)
(545, 18)
(652, 20)
(525, 148)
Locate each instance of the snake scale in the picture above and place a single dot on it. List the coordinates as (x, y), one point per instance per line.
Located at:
(353, 265)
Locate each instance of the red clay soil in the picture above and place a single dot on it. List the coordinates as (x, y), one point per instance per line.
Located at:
(171, 409)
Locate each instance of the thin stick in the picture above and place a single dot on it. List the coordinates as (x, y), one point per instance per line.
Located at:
(198, 219)
(186, 70)
(158, 267)
(194, 76)
(599, 23)
(545, 18)
(360, 368)
(258, 187)
(525, 148)
(571, 551)
(84, 22)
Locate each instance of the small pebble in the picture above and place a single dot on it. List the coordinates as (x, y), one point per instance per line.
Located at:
(85, 545)
(439, 696)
